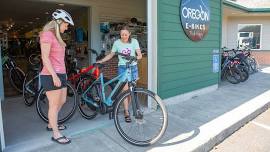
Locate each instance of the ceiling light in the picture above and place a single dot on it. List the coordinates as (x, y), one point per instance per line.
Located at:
(30, 22)
(61, 4)
(37, 18)
(46, 13)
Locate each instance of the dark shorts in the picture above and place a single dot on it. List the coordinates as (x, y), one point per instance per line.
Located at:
(134, 71)
(46, 82)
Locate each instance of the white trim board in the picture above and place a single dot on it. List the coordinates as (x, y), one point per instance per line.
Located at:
(152, 44)
(189, 95)
(2, 135)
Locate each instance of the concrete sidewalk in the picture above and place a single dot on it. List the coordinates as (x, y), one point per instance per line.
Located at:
(194, 125)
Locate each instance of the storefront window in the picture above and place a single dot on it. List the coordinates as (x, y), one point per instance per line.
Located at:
(249, 36)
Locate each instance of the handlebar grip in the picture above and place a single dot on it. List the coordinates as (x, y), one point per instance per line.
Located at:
(127, 57)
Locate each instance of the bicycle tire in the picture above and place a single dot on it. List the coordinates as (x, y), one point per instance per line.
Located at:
(30, 88)
(120, 124)
(63, 115)
(87, 110)
(16, 77)
(253, 64)
(244, 63)
(244, 73)
(233, 75)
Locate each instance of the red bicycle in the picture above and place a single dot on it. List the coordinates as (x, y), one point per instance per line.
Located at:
(86, 75)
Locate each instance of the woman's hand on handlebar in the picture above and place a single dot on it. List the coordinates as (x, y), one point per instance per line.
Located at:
(99, 61)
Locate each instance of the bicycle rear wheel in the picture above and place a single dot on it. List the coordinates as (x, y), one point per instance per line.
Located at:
(149, 126)
(244, 73)
(30, 87)
(67, 110)
(253, 64)
(86, 109)
(233, 75)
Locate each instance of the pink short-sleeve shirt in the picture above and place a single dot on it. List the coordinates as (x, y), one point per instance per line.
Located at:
(57, 53)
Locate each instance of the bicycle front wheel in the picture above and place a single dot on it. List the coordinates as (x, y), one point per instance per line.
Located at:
(67, 110)
(149, 125)
(16, 77)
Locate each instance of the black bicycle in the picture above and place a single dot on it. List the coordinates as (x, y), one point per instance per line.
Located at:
(15, 74)
(67, 110)
(31, 85)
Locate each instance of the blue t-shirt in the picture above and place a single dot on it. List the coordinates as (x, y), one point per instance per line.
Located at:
(125, 48)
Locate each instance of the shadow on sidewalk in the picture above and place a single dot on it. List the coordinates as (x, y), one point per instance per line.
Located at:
(185, 118)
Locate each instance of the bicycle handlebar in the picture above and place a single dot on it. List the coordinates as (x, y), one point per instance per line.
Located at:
(127, 57)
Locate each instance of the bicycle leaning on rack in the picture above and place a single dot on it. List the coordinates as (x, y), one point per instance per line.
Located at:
(33, 92)
(15, 74)
(148, 114)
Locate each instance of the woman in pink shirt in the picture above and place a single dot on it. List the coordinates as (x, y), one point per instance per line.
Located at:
(53, 75)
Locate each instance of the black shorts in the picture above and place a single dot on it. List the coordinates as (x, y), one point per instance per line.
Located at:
(47, 82)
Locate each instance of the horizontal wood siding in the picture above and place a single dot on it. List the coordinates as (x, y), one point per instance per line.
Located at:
(119, 10)
(184, 65)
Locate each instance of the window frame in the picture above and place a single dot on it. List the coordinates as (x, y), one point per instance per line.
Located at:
(261, 25)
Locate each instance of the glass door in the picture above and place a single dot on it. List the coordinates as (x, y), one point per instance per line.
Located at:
(2, 139)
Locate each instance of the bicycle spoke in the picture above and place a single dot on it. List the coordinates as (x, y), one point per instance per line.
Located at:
(147, 127)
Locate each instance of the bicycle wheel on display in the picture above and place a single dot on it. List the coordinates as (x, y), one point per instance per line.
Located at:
(149, 125)
(30, 88)
(67, 110)
(16, 77)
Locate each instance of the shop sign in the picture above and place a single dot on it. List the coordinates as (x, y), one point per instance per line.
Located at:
(195, 18)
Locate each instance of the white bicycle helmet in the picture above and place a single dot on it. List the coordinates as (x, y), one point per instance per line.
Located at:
(62, 14)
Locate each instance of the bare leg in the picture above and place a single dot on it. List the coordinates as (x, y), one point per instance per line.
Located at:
(63, 97)
(127, 101)
(55, 104)
(62, 100)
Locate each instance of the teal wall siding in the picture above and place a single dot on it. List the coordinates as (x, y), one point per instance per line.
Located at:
(184, 65)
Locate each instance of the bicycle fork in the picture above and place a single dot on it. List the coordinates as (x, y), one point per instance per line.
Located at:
(135, 103)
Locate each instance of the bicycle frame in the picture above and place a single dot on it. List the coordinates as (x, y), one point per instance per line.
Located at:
(8, 63)
(122, 80)
(28, 83)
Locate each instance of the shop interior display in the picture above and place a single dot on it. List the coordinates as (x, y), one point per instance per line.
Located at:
(111, 32)
(3, 40)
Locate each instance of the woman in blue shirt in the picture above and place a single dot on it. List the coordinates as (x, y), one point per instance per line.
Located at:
(128, 46)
